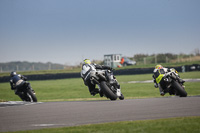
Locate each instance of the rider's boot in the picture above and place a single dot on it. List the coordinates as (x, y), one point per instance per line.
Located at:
(101, 93)
(94, 92)
(162, 93)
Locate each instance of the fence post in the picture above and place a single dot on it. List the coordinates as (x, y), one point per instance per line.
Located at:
(145, 60)
(166, 59)
(155, 59)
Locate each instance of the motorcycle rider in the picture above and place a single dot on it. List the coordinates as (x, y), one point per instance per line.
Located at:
(17, 81)
(87, 67)
(159, 72)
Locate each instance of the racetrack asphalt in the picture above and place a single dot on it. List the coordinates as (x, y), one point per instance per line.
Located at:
(17, 116)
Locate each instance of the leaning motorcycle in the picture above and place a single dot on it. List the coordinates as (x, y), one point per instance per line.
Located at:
(173, 85)
(102, 79)
(27, 94)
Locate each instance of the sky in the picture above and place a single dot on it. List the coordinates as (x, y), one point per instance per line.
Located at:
(68, 31)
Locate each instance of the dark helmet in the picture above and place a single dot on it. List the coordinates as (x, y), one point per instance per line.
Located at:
(13, 74)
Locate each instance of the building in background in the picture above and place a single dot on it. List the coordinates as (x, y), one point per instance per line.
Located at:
(112, 60)
(116, 60)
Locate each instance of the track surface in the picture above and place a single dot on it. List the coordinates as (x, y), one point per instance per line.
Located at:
(24, 116)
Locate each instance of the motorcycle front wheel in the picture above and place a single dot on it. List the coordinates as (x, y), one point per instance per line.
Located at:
(107, 91)
(179, 89)
(31, 97)
(121, 97)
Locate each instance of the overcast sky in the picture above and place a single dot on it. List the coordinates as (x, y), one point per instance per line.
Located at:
(67, 31)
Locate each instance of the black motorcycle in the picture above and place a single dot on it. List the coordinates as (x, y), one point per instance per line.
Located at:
(27, 94)
(173, 85)
(108, 85)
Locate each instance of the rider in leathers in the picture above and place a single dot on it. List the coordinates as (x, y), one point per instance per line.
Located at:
(17, 81)
(159, 71)
(87, 67)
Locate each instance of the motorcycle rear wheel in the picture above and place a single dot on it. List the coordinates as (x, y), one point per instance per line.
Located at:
(107, 91)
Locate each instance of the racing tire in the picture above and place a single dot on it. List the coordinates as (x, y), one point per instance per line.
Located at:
(121, 97)
(31, 96)
(179, 89)
(107, 91)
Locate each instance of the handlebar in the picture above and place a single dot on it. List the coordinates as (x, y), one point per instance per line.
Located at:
(171, 74)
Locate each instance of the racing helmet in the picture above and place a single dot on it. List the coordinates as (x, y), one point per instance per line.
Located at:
(13, 73)
(158, 67)
(87, 61)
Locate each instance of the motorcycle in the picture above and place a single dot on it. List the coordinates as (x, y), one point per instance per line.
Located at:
(110, 90)
(173, 84)
(27, 94)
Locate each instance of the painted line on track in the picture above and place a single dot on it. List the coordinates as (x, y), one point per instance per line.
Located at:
(16, 103)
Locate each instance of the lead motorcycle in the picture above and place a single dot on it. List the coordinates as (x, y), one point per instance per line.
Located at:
(173, 84)
(27, 94)
(107, 89)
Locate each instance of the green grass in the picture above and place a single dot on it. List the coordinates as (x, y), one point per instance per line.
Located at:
(170, 125)
(74, 89)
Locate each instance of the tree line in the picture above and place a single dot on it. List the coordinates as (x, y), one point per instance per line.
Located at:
(162, 58)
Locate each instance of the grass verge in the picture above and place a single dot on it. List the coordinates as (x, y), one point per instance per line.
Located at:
(169, 125)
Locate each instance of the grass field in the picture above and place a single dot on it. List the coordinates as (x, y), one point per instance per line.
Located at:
(74, 89)
(170, 125)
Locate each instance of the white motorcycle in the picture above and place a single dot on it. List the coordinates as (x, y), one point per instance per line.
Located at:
(107, 83)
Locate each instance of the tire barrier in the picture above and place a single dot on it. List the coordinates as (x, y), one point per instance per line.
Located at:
(187, 68)
(45, 76)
